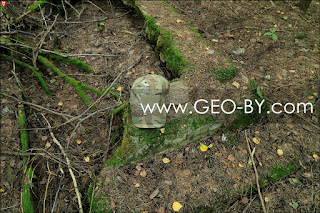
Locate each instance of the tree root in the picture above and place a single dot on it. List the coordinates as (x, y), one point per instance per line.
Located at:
(22, 64)
(32, 8)
(80, 64)
(26, 189)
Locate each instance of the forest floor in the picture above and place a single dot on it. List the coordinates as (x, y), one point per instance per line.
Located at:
(286, 69)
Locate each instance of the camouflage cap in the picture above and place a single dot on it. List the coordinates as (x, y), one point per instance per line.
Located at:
(147, 91)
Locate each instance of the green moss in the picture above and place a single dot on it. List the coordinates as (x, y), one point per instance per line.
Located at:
(301, 37)
(152, 29)
(98, 203)
(36, 5)
(172, 56)
(138, 144)
(280, 171)
(80, 64)
(224, 74)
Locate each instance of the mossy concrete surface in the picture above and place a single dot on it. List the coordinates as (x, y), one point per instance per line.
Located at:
(138, 144)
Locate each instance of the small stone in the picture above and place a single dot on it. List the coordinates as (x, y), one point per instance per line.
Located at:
(210, 52)
(5, 110)
(168, 182)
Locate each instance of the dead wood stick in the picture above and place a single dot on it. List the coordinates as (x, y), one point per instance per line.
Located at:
(68, 164)
(256, 173)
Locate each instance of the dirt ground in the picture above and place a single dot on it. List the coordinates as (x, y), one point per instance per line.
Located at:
(286, 70)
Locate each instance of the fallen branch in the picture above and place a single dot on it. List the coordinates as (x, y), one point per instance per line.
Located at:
(68, 164)
(26, 188)
(256, 173)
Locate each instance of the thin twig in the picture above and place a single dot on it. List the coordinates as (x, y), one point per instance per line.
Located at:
(256, 173)
(35, 51)
(69, 165)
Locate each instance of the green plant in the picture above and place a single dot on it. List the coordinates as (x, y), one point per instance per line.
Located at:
(301, 37)
(225, 73)
(271, 33)
(101, 27)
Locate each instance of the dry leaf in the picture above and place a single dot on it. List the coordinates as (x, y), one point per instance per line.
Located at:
(236, 84)
(165, 160)
(203, 147)
(256, 140)
(176, 206)
(231, 158)
(143, 173)
(119, 88)
(315, 94)
(210, 146)
(152, 72)
(214, 40)
(229, 35)
(137, 185)
(244, 200)
(266, 199)
(162, 130)
(280, 152)
(43, 138)
(218, 154)
(316, 157)
(87, 159)
(310, 97)
(60, 104)
(241, 165)
(79, 141)
(133, 70)
(47, 146)
(179, 21)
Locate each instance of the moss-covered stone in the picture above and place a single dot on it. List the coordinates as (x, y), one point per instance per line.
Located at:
(138, 144)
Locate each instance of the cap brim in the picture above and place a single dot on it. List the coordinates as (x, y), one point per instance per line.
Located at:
(148, 120)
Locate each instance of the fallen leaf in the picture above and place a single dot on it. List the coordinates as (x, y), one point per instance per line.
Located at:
(79, 141)
(203, 147)
(176, 206)
(231, 158)
(310, 97)
(215, 40)
(236, 84)
(210, 146)
(229, 35)
(179, 21)
(244, 200)
(47, 146)
(119, 88)
(162, 130)
(241, 165)
(137, 185)
(256, 140)
(43, 138)
(223, 161)
(87, 159)
(152, 72)
(294, 204)
(133, 70)
(60, 104)
(143, 173)
(266, 199)
(315, 156)
(315, 94)
(280, 152)
(218, 154)
(165, 160)
(154, 194)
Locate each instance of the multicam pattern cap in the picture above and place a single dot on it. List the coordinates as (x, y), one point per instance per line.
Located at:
(149, 90)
